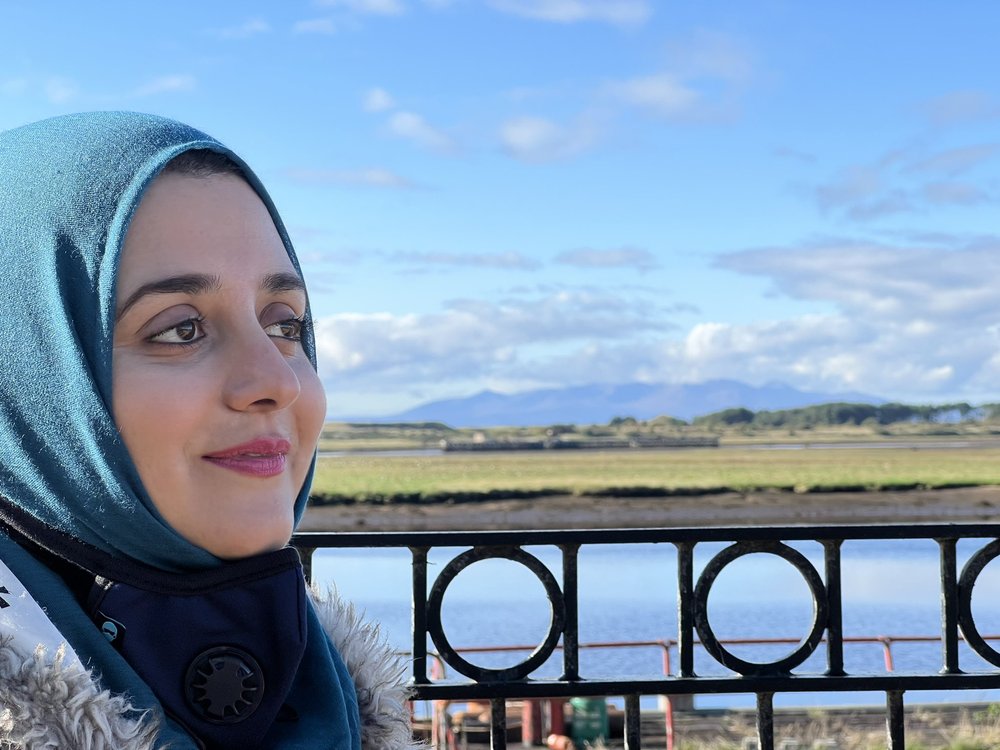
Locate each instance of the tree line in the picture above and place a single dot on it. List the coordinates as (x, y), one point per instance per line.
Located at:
(852, 414)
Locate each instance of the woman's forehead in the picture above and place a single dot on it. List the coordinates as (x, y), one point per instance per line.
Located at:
(207, 225)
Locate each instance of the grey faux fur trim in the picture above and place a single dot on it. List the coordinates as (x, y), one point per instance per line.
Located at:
(377, 672)
(46, 704)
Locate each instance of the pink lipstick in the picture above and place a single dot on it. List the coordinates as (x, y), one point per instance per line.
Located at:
(262, 457)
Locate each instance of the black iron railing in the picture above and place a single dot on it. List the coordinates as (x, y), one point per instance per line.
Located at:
(762, 679)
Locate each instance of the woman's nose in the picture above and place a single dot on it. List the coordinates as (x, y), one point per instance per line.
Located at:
(260, 377)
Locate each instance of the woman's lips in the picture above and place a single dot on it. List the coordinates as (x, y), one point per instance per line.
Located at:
(262, 457)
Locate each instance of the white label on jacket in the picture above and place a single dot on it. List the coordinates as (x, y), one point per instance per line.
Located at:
(22, 618)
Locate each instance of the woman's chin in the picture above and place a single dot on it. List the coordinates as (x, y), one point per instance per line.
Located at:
(243, 542)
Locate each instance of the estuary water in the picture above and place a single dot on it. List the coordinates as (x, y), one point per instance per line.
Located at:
(629, 593)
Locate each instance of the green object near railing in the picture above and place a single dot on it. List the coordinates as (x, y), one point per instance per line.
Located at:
(590, 719)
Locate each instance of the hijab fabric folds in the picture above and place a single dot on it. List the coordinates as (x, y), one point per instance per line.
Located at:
(68, 189)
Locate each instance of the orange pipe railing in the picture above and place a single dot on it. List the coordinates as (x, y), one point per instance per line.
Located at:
(441, 729)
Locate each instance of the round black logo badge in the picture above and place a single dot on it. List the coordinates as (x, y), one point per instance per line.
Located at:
(224, 685)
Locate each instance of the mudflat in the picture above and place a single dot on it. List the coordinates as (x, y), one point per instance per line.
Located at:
(766, 508)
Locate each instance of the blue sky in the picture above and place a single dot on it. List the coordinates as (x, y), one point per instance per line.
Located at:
(510, 194)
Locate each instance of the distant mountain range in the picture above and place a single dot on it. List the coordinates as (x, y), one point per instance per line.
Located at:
(598, 404)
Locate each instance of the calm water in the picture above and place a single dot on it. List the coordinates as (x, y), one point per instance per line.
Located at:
(628, 593)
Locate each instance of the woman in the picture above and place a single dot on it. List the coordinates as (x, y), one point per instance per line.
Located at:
(159, 410)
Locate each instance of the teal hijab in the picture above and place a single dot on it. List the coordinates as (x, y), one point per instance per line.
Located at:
(68, 189)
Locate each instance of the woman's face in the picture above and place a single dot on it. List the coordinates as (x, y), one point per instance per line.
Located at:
(213, 395)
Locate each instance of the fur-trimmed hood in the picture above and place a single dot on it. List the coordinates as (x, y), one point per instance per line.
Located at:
(377, 671)
(46, 704)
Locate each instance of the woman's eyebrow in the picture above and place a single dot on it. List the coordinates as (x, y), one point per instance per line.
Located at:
(275, 283)
(191, 283)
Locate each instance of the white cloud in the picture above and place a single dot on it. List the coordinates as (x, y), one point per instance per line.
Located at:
(662, 94)
(368, 177)
(471, 339)
(893, 284)
(538, 139)
(830, 353)
(166, 84)
(412, 127)
(370, 7)
(711, 54)
(909, 321)
(59, 90)
(955, 161)
(851, 186)
(621, 257)
(794, 154)
(250, 27)
(705, 76)
(957, 107)
(954, 194)
(509, 261)
(619, 12)
(343, 12)
(315, 26)
(809, 350)
(906, 181)
(13, 86)
(378, 100)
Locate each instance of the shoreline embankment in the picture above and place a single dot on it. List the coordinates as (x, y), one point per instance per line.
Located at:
(757, 508)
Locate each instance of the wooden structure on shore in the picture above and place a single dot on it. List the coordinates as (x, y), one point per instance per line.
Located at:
(603, 443)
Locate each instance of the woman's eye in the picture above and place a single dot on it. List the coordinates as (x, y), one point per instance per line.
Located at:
(185, 332)
(290, 329)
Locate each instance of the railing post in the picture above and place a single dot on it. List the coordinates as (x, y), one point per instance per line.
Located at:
(571, 634)
(765, 721)
(419, 614)
(633, 723)
(685, 602)
(498, 724)
(949, 607)
(834, 604)
(894, 719)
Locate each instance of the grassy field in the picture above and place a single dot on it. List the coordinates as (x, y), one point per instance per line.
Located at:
(471, 476)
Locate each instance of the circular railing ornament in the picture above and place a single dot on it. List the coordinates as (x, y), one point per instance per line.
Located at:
(966, 582)
(806, 646)
(537, 657)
